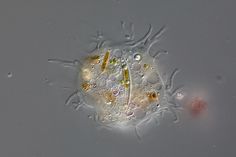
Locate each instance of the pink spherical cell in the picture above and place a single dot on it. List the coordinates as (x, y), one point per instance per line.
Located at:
(197, 106)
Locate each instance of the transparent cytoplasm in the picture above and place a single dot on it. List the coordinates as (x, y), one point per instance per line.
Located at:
(121, 81)
(120, 91)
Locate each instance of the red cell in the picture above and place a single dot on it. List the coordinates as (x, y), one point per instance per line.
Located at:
(197, 106)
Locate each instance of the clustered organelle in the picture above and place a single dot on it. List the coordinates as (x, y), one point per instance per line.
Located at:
(123, 88)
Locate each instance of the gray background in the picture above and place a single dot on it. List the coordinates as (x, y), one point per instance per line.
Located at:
(33, 119)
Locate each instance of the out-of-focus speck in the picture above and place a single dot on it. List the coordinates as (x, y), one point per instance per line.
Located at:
(234, 97)
(228, 41)
(116, 1)
(219, 78)
(9, 74)
(90, 116)
(48, 82)
(38, 154)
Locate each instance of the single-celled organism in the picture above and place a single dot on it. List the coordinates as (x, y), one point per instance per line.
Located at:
(122, 83)
(197, 106)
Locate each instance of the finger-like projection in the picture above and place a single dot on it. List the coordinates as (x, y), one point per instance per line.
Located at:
(121, 81)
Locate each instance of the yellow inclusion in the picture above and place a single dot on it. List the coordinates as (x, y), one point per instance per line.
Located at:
(109, 97)
(126, 77)
(94, 59)
(146, 66)
(105, 61)
(86, 86)
(153, 96)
